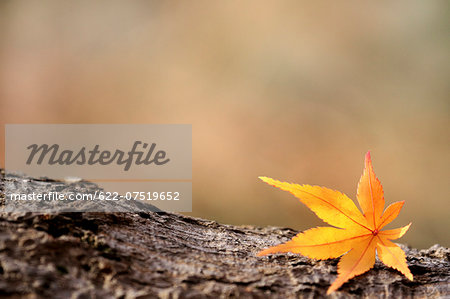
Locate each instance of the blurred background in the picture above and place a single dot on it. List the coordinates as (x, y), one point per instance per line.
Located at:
(294, 90)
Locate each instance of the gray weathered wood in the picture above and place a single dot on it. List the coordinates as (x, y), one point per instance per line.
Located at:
(166, 255)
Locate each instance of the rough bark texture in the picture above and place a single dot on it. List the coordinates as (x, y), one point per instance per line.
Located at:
(157, 254)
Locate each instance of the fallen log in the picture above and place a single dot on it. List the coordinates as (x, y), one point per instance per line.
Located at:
(168, 255)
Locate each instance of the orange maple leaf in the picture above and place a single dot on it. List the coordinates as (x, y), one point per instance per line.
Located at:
(356, 235)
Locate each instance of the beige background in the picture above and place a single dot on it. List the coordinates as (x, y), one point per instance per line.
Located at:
(296, 90)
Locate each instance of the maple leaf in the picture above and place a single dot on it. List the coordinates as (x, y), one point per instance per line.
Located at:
(357, 235)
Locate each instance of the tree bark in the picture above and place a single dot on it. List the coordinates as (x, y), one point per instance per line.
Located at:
(167, 255)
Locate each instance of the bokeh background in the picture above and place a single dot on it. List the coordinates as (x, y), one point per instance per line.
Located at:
(295, 90)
